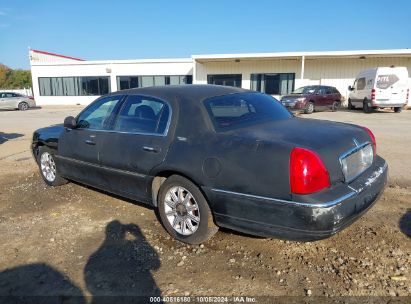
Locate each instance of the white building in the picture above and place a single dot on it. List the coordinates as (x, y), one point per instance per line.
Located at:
(59, 79)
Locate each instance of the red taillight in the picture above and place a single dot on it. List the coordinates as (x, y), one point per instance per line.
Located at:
(31, 97)
(373, 141)
(307, 172)
(373, 95)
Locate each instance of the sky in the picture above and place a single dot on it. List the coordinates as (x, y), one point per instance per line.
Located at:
(140, 29)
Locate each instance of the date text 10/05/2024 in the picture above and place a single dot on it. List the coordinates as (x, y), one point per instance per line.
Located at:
(203, 299)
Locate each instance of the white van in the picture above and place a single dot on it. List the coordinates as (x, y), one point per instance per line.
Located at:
(383, 87)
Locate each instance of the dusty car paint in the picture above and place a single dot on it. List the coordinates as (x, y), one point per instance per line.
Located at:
(244, 173)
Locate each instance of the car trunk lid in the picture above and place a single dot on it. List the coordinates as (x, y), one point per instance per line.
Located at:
(330, 140)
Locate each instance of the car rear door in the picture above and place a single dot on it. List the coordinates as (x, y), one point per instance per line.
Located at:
(138, 142)
(321, 98)
(79, 148)
(329, 96)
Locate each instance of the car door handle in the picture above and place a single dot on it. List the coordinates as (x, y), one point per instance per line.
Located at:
(151, 149)
(90, 142)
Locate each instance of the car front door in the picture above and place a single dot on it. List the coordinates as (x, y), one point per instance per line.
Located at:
(7, 101)
(78, 148)
(2, 101)
(360, 92)
(137, 143)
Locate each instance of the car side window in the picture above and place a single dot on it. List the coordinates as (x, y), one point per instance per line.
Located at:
(141, 114)
(98, 113)
(361, 83)
(321, 91)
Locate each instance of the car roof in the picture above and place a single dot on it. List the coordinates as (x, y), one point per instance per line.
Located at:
(188, 91)
(318, 86)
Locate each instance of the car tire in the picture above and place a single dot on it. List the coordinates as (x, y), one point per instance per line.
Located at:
(350, 105)
(184, 211)
(48, 168)
(309, 108)
(23, 106)
(366, 108)
(335, 106)
(397, 109)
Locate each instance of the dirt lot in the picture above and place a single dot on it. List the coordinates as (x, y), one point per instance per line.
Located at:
(74, 240)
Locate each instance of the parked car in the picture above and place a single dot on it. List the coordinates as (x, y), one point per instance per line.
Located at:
(11, 100)
(313, 98)
(383, 87)
(207, 156)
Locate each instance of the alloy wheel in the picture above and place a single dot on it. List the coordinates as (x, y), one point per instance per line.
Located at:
(48, 166)
(310, 107)
(181, 210)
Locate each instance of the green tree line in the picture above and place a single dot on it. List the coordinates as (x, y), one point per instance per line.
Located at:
(14, 79)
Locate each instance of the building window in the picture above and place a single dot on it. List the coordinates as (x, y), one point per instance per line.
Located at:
(130, 82)
(231, 80)
(273, 83)
(74, 86)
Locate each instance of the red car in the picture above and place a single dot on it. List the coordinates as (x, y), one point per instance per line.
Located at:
(313, 98)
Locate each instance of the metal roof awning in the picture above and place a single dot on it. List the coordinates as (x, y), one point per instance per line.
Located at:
(361, 54)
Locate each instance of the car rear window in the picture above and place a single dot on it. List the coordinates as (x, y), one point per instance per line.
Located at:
(244, 109)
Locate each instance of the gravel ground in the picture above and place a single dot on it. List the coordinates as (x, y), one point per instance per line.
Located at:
(75, 240)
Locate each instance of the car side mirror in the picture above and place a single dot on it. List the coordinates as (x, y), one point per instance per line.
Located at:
(350, 88)
(70, 122)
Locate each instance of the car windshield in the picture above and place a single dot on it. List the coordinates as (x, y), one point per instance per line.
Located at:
(304, 90)
(244, 109)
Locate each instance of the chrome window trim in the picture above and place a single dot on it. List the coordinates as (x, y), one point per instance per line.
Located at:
(164, 134)
(122, 132)
(357, 148)
(311, 205)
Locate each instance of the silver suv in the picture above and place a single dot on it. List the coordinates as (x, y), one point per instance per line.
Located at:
(10, 100)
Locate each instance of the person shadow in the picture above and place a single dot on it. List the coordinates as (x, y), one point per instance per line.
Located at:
(38, 283)
(120, 270)
(9, 136)
(405, 223)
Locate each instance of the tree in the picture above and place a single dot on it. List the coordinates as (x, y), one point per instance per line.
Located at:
(14, 79)
(4, 74)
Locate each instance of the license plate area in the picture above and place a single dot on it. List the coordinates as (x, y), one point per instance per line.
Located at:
(356, 161)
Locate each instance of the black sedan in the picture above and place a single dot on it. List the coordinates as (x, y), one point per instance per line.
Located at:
(209, 156)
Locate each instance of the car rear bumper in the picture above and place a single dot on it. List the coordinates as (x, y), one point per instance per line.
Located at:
(387, 105)
(305, 218)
